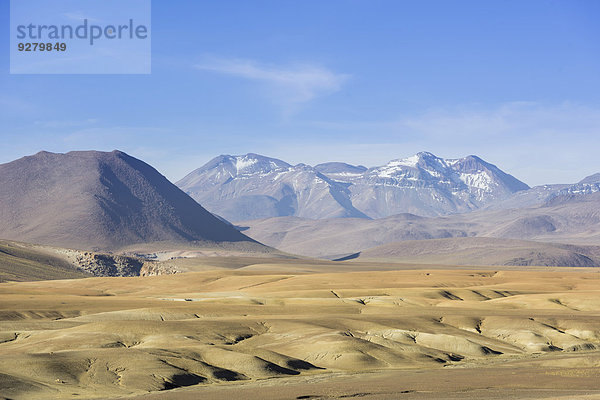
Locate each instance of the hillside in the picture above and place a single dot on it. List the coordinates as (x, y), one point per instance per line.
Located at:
(485, 251)
(574, 220)
(24, 262)
(98, 200)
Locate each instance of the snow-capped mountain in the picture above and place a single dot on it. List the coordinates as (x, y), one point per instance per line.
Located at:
(578, 191)
(429, 186)
(253, 186)
(586, 186)
(339, 169)
(551, 194)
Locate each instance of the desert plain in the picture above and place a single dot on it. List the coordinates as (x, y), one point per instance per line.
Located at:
(260, 328)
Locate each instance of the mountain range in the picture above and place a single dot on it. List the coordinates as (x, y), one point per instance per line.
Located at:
(114, 202)
(252, 186)
(99, 200)
(573, 219)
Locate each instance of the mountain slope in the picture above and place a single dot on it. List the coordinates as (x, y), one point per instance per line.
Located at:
(429, 186)
(575, 220)
(253, 186)
(485, 251)
(99, 200)
(24, 262)
(595, 178)
(580, 191)
(334, 238)
(338, 169)
(551, 194)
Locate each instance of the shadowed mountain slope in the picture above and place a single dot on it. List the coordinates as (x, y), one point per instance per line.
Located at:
(99, 200)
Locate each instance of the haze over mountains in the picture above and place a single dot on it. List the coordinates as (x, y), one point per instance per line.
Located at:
(571, 219)
(401, 206)
(100, 200)
(109, 201)
(548, 194)
(253, 186)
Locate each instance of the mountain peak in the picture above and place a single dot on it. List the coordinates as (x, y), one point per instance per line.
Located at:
(421, 158)
(340, 168)
(426, 154)
(228, 166)
(42, 153)
(253, 186)
(255, 163)
(245, 162)
(89, 199)
(595, 178)
(474, 157)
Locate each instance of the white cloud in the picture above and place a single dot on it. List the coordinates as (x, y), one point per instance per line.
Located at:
(294, 84)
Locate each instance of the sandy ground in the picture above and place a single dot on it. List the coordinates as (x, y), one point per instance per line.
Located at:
(509, 382)
(277, 331)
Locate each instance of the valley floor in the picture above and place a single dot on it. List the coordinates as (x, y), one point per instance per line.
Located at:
(305, 332)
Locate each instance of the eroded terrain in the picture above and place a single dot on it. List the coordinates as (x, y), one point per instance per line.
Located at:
(269, 329)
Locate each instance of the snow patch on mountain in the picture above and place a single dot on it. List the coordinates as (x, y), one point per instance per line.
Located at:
(242, 163)
(252, 186)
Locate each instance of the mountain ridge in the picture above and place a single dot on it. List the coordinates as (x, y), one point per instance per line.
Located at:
(566, 220)
(252, 186)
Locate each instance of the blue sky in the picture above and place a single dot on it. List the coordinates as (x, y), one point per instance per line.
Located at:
(362, 81)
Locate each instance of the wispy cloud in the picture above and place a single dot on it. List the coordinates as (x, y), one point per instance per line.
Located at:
(527, 121)
(292, 84)
(538, 143)
(79, 16)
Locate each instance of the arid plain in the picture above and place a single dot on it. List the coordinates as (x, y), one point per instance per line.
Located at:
(270, 328)
(114, 283)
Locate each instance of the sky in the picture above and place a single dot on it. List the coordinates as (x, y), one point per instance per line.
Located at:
(361, 81)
